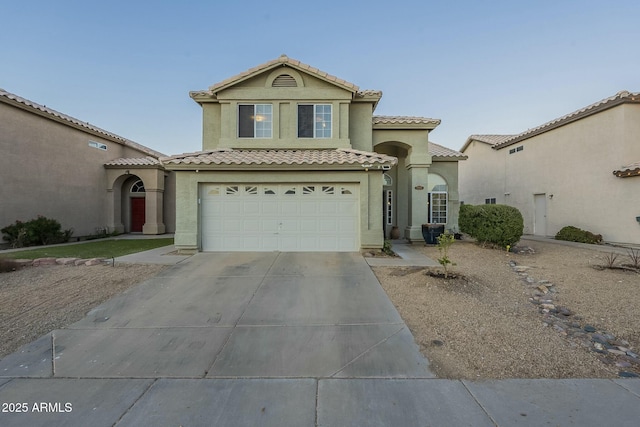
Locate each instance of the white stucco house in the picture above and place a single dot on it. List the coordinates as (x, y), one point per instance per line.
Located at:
(581, 169)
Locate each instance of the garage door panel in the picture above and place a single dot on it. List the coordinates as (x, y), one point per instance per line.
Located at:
(252, 225)
(308, 207)
(232, 207)
(309, 225)
(327, 225)
(251, 208)
(289, 207)
(232, 225)
(346, 208)
(328, 207)
(346, 225)
(284, 217)
(269, 207)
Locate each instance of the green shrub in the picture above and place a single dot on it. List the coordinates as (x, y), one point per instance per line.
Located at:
(387, 248)
(575, 234)
(38, 231)
(500, 225)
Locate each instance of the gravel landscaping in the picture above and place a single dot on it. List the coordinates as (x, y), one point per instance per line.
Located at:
(37, 300)
(544, 313)
(523, 315)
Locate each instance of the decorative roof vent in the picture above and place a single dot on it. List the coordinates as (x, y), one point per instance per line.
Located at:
(284, 80)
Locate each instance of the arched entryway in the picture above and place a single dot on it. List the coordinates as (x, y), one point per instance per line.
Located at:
(137, 206)
(396, 192)
(136, 202)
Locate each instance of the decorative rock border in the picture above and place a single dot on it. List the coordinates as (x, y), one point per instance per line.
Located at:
(610, 349)
(62, 261)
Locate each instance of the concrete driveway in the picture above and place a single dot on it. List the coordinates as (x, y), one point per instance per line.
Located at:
(270, 339)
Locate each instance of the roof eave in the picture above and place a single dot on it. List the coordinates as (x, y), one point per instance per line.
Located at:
(627, 173)
(81, 126)
(283, 61)
(570, 118)
(205, 167)
(448, 158)
(399, 126)
(125, 167)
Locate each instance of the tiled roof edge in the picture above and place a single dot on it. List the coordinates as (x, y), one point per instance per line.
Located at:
(404, 120)
(490, 139)
(36, 108)
(604, 104)
(283, 60)
(444, 152)
(629, 170)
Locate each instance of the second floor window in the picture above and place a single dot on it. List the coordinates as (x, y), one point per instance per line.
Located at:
(254, 121)
(314, 121)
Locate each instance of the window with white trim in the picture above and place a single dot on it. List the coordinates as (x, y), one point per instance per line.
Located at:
(438, 199)
(314, 121)
(490, 201)
(98, 145)
(255, 120)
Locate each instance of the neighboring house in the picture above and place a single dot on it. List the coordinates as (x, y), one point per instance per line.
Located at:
(88, 179)
(581, 169)
(294, 160)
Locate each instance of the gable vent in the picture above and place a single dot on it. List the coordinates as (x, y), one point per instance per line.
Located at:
(284, 80)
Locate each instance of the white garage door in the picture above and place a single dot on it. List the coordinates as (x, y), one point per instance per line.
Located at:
(280, 217)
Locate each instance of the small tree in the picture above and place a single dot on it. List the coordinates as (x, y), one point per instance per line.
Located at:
(444, 243)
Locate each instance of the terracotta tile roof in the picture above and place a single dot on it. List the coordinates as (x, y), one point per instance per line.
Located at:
(369, 92)
(487, 139)
(438, 151)
(230, 156)
(43, 110)
(491, 139)
(626, 171)
(134, 161)
(404, 120)
(282, 60)
(619, 98)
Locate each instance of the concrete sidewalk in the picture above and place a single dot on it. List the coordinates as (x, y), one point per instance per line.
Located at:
(408, 256)
(275, 340)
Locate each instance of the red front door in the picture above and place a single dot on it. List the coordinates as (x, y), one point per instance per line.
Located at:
(137, 214)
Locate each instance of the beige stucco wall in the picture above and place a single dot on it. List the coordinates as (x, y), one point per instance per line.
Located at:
(352, 127)
(482, 175)
(48, 168)
(187, 236)
(411, 185)
(360, 128)
(574, 163)
(221, 115)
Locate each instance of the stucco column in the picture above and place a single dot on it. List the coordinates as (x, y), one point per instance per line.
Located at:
(114, 211)
(154, 221)
(418, 201)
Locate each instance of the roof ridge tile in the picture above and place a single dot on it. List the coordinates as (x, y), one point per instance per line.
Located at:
(86, 125)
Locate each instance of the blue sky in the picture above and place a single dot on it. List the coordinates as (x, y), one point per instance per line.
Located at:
(479, 66)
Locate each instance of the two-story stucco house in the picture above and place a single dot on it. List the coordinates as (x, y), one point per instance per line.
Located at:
(294, 159)
(580, 169)
(88, 179)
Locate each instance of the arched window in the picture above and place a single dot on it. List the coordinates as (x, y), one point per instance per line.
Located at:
(438, 196)
(387, 180)
(137, 187)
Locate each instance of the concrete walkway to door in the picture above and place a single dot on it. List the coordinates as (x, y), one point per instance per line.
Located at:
(270, 339)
